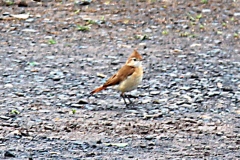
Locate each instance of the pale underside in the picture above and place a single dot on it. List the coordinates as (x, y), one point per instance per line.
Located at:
(130, 83)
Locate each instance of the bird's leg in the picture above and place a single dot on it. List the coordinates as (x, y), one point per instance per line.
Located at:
(123, 96)
(128, 97)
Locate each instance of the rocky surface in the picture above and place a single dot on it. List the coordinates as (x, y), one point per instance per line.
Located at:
(54, 53)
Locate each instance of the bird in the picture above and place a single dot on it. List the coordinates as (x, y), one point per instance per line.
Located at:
(127, 78)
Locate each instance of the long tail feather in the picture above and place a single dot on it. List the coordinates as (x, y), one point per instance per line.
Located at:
(98, 89)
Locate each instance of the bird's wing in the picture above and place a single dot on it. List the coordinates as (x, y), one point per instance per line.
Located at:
(121, 75)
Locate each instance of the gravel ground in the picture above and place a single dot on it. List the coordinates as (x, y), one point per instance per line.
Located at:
(53, 54)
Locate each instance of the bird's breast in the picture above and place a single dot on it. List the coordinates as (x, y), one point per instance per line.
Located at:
(132, 81)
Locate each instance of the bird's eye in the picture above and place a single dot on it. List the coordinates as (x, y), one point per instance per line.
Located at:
(134, 59)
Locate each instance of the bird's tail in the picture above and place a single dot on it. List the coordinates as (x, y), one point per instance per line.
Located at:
(98, 89)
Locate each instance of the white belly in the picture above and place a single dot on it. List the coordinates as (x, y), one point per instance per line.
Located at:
(129, 84)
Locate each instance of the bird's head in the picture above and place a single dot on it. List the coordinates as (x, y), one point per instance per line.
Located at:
(135, 59)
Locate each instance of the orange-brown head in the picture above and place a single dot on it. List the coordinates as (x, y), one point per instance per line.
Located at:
(134, 60)
(136, 55)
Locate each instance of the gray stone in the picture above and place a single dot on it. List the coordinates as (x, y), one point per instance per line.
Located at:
(213, 93)
(206, 10)
(148, 30)
(30, 20)
(155, 92)
(29, 30)
(236, 14)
